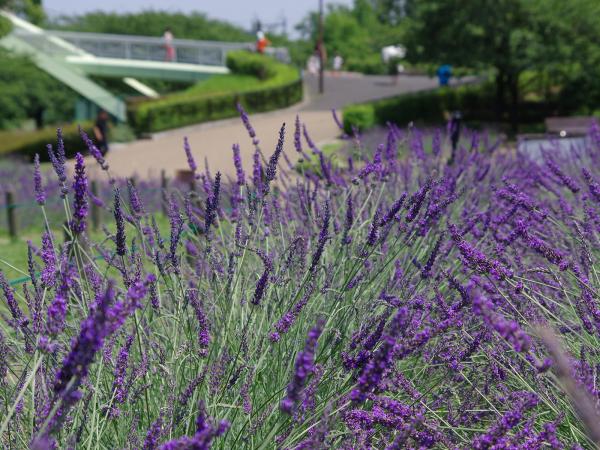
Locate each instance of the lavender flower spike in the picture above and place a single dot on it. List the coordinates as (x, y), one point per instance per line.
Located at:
(120, 239)
(247, 124)
(59, 167)
(40, 194)
(80, 187)
(49, 258)
(94, 330)
(323, 236)
(120, 387)
(259, 292)
(304, 367)
(237, 162)
(271, 171)
(336, 119)
(297, 136)
(190, 157)
(94, 151)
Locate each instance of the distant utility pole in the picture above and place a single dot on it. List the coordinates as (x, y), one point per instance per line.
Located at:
(321, 48)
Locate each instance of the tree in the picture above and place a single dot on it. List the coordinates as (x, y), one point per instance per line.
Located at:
(32, 9)
(153, 23)
(29, 93)
(507, 35)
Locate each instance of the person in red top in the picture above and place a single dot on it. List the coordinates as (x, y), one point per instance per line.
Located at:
(169, 48)
(261, 42)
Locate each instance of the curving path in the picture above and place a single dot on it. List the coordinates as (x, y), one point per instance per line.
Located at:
(146, 158)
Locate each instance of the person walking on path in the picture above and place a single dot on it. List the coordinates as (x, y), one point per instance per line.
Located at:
(101, 131)
(261, 42)
(169, 48)
(338, 62)
(444, 73)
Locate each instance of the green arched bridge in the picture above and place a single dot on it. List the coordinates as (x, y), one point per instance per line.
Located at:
(71, 57)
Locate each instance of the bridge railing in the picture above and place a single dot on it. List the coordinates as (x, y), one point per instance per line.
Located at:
(153, 48)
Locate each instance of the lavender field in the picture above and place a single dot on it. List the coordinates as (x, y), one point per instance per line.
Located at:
(390, 301)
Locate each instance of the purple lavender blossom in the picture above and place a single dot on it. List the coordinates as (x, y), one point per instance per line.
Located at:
(202, 439)
(475, 259)
(94, 330)
(521, 402)
(257, 172)
(394, 209)
(57, 309)
(203, 323)
(94, 151)
(564, 178)
(190, 158)
(346, 238)
(261, 284)
(336, 119)
(80, 202)
(286, 321)
(120, 387)
(593, 185)
(212, 204)
(373, 235)
(416, 201)
(239, 168)
(248, 125)
(323, 237)
(40, 194)
(153, 435)
(372, 372)
(120, 238)
(298, 136)
(13, 306)
(134, 200)
(58, 163)
(304, 367)
(176, 223)
(309, 141)
(426, 271)
(508, 329)
(271, 171)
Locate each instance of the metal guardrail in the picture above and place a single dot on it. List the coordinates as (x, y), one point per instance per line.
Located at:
(212, 53)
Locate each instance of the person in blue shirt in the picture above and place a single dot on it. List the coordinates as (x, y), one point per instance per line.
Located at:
(444, 73)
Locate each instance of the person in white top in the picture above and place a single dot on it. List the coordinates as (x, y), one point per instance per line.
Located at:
(338, 62)
(169, 48)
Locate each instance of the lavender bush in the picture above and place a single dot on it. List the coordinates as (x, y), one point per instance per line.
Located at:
(396, 302)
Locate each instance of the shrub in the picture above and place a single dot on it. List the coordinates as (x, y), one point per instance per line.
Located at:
(281, 90)
(476, 102)
(5, 26)
(28, 143)
(370, 64)
(249, 63)
(406, 304)
(359, 116)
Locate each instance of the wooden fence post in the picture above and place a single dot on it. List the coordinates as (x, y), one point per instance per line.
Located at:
(11, 217)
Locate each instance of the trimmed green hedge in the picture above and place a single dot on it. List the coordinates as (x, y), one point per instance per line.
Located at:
(164, 115)
(476, 102)
(248, 63)
(282, 89)
(28, 143)
(359, 116)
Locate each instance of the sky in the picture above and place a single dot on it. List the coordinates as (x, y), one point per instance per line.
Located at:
(240, 12)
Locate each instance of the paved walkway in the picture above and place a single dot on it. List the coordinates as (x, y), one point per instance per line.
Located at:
(213, 141)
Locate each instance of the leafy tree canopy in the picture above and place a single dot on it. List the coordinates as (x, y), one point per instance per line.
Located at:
(28, 92)
(153, 23)
(511, 36)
